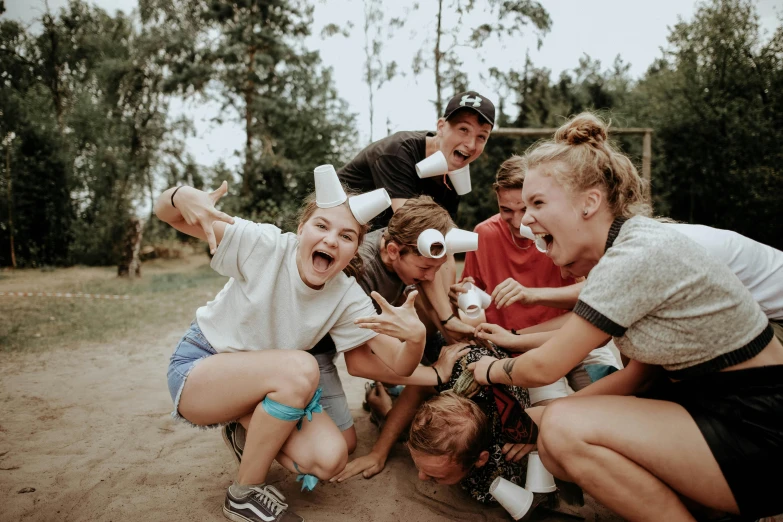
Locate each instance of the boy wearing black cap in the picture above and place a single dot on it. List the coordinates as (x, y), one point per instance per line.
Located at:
(390, 163)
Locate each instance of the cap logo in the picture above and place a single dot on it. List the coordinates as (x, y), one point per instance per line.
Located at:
(467, 99)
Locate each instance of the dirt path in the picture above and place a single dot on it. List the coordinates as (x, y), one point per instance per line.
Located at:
(89, 430)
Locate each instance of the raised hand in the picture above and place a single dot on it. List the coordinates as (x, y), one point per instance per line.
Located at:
(448, 357)
(198, 208)
(401, 322)
(510, 291)
(497, 334)
(368, 465)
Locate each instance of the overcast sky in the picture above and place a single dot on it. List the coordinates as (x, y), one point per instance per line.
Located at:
(602, 29)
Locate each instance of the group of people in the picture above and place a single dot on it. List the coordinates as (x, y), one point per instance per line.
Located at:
(692, 422)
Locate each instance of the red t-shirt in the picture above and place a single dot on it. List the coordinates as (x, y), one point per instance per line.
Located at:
(499, 258)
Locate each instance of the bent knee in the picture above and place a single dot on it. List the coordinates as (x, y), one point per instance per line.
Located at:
(297, 380)
(331, 459)
(559, 431)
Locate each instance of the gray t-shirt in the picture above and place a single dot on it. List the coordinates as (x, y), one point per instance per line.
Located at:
(266, 305)
(666, 301)
(375, 277)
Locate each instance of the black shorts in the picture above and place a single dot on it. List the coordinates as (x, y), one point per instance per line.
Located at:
(740, 414)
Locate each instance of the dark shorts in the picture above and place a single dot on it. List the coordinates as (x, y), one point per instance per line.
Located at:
(740, 414)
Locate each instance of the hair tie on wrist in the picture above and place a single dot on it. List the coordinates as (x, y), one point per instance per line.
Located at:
(440, 382)
(489, 369)
(449, 318)
(172, 195)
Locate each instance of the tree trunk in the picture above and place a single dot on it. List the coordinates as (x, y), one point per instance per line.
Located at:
(438, 55)
(251, 56)
(10, 202)
(368, 63)
(130, 264)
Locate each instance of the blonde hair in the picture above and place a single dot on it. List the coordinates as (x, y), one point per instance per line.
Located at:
(306, 211)
(451, 425)
(510, 174)
(588, 159)
(414, 217)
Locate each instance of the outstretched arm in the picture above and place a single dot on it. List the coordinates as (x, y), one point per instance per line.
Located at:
(397, 420)
(193, 212)
(400, 344)
(510, 291)
(362, 362)
(543, 366)
(512, 342)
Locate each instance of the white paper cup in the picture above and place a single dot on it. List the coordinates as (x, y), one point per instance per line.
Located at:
(427, 240)
(485, 298)
(538, 479)
(368, 205)
(516, 500)
(527, 232)
(433, 165)
(470, 303)
(461, 180)
(328, 190)
(461, 241)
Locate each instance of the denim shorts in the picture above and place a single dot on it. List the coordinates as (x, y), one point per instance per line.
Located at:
(333, 399)
(191, 350)
(194, 348)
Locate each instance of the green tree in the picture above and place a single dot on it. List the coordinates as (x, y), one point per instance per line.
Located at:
(250, 55)
(716, 103)
(509, 18)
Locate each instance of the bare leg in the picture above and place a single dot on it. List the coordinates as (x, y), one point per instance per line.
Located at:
(633, 455)
(229, 386)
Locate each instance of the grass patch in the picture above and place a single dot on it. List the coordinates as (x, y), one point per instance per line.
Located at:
(166, 297)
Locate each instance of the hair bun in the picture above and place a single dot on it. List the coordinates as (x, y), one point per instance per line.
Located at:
(583, 128)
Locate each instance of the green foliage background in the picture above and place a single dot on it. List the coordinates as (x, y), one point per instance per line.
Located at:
(86, 140)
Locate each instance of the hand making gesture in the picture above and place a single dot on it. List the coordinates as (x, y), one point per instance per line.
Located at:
(401, 322)
(198, 209)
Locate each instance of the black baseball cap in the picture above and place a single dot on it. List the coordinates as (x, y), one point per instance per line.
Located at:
(471, 100)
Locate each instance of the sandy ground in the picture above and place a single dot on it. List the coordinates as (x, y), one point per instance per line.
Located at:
(89, 430)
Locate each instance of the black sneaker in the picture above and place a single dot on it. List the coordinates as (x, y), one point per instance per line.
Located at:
(260, 504)
(230, 437)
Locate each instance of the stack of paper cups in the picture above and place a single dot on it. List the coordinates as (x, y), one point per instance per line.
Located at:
(366, 206)
(516, 500)
(461, 180)
(538, 479)
(433, 165)
(461, 241)
(429, 239)
(328, 190)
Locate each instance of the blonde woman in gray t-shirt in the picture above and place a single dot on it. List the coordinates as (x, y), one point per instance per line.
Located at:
(709, 430)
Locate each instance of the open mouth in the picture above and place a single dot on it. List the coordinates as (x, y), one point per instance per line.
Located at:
(461, 157)
(322, 261)
(544, 242)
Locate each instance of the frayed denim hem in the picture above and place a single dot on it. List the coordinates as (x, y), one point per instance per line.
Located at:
(176, 415)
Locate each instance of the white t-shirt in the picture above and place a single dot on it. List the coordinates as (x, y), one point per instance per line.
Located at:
(758, 266)
(266, 305)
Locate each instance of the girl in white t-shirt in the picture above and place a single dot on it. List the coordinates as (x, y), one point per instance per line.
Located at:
(244, 357)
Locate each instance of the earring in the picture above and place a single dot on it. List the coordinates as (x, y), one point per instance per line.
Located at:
(584, 212)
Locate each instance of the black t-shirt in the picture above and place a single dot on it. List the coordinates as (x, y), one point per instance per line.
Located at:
(390, 163)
